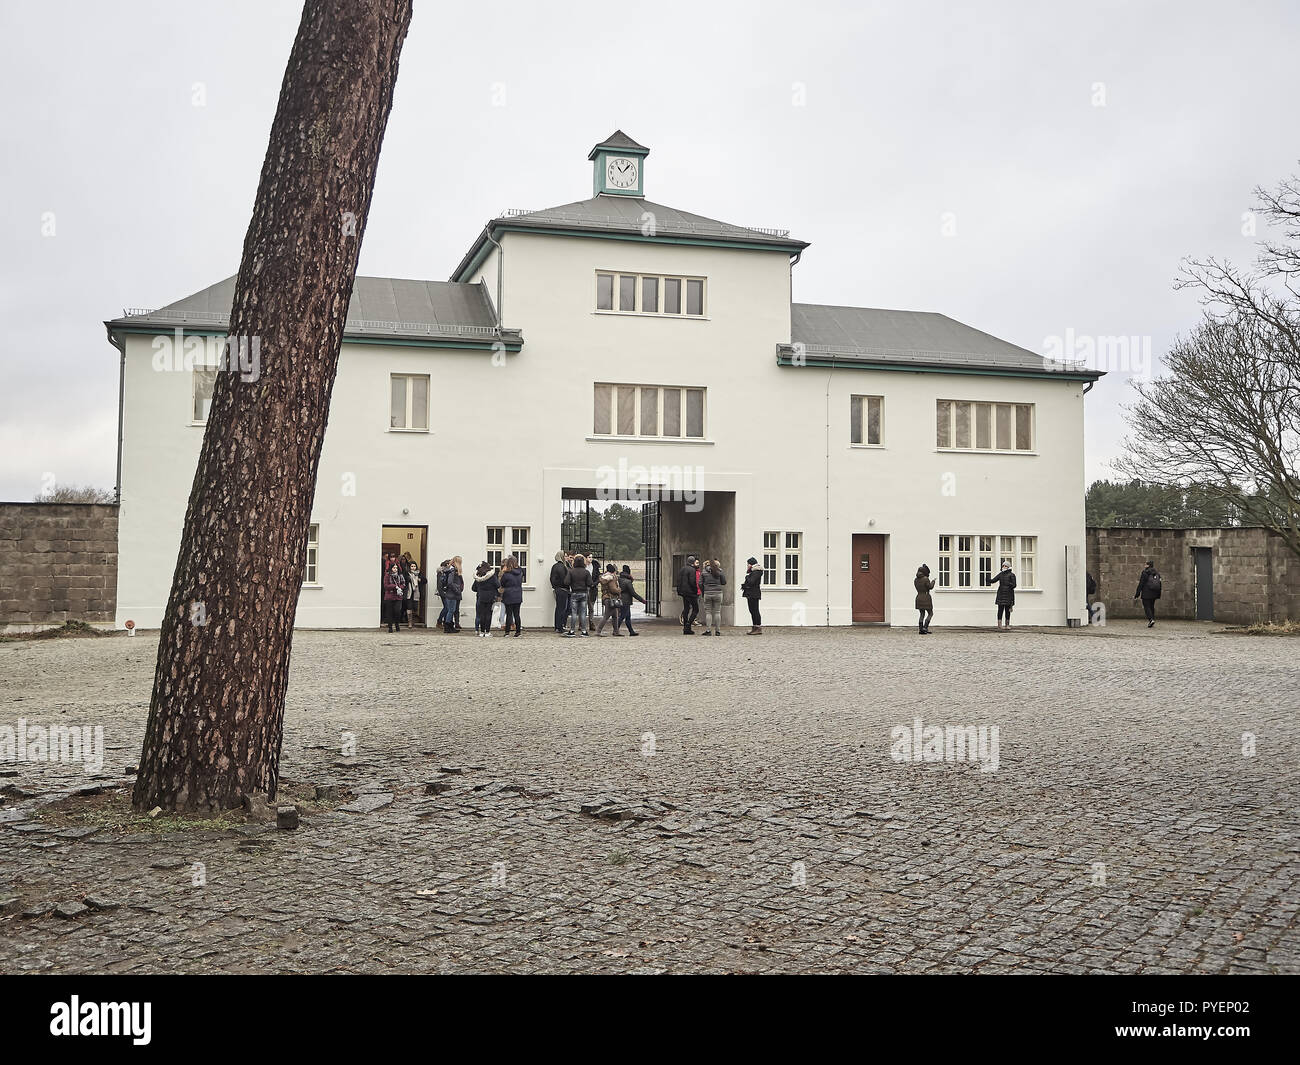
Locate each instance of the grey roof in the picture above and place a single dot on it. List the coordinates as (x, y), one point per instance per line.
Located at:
(619, 140)
(625, 214)
(380, 307)
(910, 338)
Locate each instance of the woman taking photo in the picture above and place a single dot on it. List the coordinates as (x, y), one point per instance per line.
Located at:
(752, 590)
(924, 601)
(1006, 594)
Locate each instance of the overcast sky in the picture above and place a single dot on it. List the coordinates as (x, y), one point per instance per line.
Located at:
(1036, 171)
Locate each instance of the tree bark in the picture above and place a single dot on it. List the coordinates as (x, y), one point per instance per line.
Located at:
(216, 716)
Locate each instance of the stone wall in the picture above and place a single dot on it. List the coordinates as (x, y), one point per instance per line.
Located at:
(58, 562)
(1256, 578)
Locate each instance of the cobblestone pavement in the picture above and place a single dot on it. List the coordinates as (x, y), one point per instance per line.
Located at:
(770, 830)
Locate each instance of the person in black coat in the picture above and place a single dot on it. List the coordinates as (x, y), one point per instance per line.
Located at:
(1148, 591)
(485, 587)
(628, 593)
(752, 589)
(454, 589)
(1006, 593)
(688, 588)
(580, 583)
(512, 592)
(924, 585)
(560, 589)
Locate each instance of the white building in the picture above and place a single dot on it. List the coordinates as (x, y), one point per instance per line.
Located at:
(650, 355)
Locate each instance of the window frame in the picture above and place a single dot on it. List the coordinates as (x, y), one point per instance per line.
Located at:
(638, 279)
(311, 559)
(778, 551)
(638, 394)
(975, 410)
(201, 371)
(864, 420)
(409, 393)
(951, 556)
(509, 544)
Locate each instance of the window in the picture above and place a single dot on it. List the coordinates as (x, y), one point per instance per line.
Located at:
(782, 559)
(966, 426)
(771, 541)
(640, 294)
(205, 379)
(506, 540)
(649, 411)
(868, 433)
(313, 554)
(967, 561)
(410, 402)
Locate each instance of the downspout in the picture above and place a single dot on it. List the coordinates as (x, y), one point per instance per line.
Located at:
(501, 266)
(120, 344)
(828, 493)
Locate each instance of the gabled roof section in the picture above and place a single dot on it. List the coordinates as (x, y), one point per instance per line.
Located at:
(381, 307)
(628, 218)
(619, 141)
(871, 337)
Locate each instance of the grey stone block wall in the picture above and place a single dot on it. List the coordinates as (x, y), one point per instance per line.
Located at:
(58, 562)
(1256, 577)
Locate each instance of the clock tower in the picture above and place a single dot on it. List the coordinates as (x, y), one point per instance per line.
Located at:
(619, 166)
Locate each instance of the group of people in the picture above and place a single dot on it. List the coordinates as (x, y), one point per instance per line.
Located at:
(402, 588)
(1004, 598)
(578, 584)
(702, 580)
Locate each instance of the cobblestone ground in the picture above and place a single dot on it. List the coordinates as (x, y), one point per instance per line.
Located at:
(769, 831)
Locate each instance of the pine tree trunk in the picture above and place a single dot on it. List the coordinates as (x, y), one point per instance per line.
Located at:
(215, 720)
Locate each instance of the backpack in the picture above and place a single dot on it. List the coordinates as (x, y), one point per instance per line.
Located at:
(442, 581)
(610, 587)
(1153, 582)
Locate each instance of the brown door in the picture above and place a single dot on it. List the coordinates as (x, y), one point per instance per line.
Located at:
(868, 577)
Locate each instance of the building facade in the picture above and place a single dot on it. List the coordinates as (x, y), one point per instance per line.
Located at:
(615, 348)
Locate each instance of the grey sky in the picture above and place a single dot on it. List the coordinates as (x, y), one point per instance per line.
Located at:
(861, 128)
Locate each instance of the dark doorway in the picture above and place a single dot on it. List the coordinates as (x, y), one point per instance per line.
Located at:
(1204, 560)
(868, 577)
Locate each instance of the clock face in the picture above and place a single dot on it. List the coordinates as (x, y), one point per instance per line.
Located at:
(621, 172)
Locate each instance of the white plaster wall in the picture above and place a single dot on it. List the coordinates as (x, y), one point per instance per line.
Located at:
(507, 438)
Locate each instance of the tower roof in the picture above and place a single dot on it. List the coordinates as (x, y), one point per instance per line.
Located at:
(618, 141)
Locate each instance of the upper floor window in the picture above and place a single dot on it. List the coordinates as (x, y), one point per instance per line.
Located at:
(650, 294)
(410, 402)
(648, 411)
(864, 419)
(205, 379)
(965, 426)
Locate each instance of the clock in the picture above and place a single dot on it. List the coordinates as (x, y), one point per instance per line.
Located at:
(621, 172)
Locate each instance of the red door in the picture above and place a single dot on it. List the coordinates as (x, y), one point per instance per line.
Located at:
(868, 577)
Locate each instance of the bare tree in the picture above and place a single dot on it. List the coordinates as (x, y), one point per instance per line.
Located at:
(215, 719)
(1227, 416)
(76, 493)
(1227, 419)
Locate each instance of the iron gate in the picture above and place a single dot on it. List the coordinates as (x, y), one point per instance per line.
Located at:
(650, 538)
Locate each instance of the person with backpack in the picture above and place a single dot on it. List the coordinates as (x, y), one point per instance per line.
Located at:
(440, 590)
(752, 590)
(1006, 593)
(560, 589)
(627, 593)
(394, 589)
(924, 585)
(580, 583)
(712, 580)
(688, 588)
(512, 593)
(485, 588)
(1148, 591)
(455, 586)
(611, 598)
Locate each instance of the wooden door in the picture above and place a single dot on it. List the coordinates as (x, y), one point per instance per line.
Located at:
(868, 577)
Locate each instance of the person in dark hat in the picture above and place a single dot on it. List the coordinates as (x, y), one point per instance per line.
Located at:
(924, 601)
(627, 591)
(752, 590)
